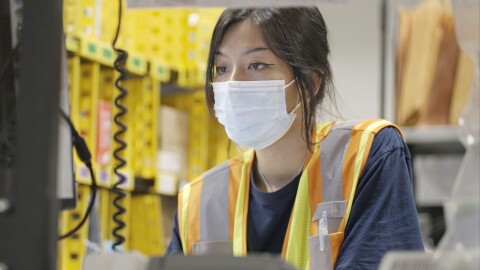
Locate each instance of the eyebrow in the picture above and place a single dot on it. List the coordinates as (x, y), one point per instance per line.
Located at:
(249, 51)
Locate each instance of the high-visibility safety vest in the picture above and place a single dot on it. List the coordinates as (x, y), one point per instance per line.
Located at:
(212, 209)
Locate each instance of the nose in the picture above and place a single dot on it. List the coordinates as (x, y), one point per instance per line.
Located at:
(237, 74)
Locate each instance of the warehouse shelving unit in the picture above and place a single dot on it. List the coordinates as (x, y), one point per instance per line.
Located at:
(434, 143)
(433, 140)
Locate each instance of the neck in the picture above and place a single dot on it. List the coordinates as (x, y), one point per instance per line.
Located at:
(278, 164)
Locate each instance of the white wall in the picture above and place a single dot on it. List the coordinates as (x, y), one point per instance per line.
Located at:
(355, 42)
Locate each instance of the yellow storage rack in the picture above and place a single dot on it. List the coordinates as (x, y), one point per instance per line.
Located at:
(84, 112)
(150, 106)
(72, 249)
(164, 46)
(73, 63)
(220, 148)
(105, 215)
(148, 224)
(199, 134)
(135, 123)
(72, 12)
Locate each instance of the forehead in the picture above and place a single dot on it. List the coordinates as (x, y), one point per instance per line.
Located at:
(242, 36)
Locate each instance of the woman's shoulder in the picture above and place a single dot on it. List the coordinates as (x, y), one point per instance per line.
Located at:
(389, 138)
(386, 135)
(385, 142)
(383, 130)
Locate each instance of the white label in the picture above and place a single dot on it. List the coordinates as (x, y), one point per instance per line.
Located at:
(168, 161)
(167, 183)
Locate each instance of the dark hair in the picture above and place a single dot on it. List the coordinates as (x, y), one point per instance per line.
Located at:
(298, 36)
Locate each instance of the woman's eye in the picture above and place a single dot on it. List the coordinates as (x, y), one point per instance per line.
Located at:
(256, 66)
(221, 70)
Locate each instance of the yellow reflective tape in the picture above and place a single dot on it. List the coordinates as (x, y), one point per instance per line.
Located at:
(185, 198)
(359, 159)
(238, 225)
(297, 248)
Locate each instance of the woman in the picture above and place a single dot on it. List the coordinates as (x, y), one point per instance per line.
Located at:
(337, 195)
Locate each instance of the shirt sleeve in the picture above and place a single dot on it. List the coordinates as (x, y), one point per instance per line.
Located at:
(175, 245)
(383, 216)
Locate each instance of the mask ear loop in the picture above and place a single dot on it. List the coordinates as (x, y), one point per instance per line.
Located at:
(290, 83)
(299, 103)
(296, 107)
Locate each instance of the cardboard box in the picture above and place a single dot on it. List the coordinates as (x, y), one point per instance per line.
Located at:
(173, 142)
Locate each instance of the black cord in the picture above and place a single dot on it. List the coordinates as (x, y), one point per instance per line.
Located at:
(84, 154)
(119, 65)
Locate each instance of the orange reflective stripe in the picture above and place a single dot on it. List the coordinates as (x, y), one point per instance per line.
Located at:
(193, 214)
(322, 131)
(355, 159)
(349, 164)
(314, 174)
(315, 183)
(350, 158)
(336, 241)
(233, 185)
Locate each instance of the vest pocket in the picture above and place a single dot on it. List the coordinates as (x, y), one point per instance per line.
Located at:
(213, 247)
(324, 259)
(334, 210)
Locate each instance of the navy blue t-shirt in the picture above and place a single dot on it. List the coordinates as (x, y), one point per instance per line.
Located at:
(268, 216)
(383, 215)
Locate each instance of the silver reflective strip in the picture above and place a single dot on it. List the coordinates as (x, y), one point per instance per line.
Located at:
(332, 151)
(347, 125)
(214, 221)
(334, 209)
(320, 260)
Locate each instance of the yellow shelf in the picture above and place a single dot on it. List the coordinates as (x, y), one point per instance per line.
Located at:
(160, 70)
(136, 63)
(89, 48)
(72, 44)
(106, 54)
(103, 53)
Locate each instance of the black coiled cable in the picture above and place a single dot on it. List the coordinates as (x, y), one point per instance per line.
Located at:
(120, 162)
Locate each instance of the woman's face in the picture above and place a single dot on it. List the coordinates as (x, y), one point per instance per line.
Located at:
(244, 56)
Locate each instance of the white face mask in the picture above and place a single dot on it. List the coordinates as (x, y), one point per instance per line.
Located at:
(254, 113)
